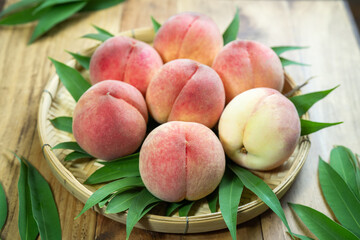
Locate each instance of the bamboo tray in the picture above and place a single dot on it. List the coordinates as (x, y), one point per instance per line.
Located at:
(56, 102)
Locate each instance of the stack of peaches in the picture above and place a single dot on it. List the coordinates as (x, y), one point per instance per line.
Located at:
(189, 83)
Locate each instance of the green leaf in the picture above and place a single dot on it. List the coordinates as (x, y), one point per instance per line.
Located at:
(343, 161)
(101, 193)
(51, 3)
(302, 237)
(308, 127)
(185, 208)
(262, 190)
(3, 207)
(76, 155)
(125, 168)
(320, 225)
(97, 36)
(156, 24)
(122, 201)
(43, 205)
(54, 16)
(83, 60)
(103, 202)
(140, 205)
(212, 200)
(69, 145)
(72, 79)
(20, 6)
(230, 190)
(281, 49)
(103, 31)
(23, 16)
(340, 198)
(28, 228)
(94, 5)
(62, 123)
(304, 102)
(118, 163)
(286, 62)
(231, 32)
(171, 207)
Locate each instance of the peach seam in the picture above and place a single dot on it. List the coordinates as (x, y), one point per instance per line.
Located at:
(127, 60)
(187, 31)
(186, 164)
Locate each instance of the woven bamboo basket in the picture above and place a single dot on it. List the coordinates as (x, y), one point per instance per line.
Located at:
(56, 102)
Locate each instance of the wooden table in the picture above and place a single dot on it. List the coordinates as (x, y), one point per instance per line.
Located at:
(326, 26)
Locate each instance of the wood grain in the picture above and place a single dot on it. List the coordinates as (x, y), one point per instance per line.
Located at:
(334, 54)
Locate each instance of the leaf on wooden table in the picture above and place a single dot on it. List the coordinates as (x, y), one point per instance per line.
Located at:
(62, 123)
(94, 5)
(20, 6)
(124, 168)
(304, 102)
(308, 127)
(212, 200)
(103, 31)
(96, 36)
(340, 198)
(76, 155)
(116, 186)
(230, 190)
(320, 225)
(185, 208)
(69, 145)
(103, 202)
(286, 62)
(84, 61)
(156, 24)
(343, 161)
(3, 207)
(232, 30)
(118, 163)
(262, 190)
(72, 79)
(171, 207)
(141, 205)
(23, 16)
(281, 49)
(47, 4)
(54, 16)
(121, 202)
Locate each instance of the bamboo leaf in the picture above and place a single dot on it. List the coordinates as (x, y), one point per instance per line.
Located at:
(103, 31)
(320, 225)
(19, 6)
(28, 228)
(156, 24)
(281, 49)
(141, 205)
(83, 60)
(23, 16)
(304, 102)
(118, 163)
(343, 161)
(119, 186)
(262, 190)
(212, 200)
(122, 201)
(47, 4)
(185, 208)
(76, 155)
(69, 145)
(286, 62)
(97, 36)
(72, 79)
(94, 5)
(62, 123)
(340, 198)
(43, 205)
(171, 207)
(3, 207)
(308, 127)
(230, 190)
(231, 32)
(103, 202)
(54, 16)
(302, 237)
(125, 168)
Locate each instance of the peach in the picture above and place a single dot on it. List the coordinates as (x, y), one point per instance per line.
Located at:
(125, 59)
(184, 90)
(189, 35)
(109, 120)
(181, 160)
(243, 65)
(259, 129)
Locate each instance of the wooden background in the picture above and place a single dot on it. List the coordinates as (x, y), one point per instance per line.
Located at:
(326, 26)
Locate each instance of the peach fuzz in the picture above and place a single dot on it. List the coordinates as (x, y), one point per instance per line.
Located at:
(259, 129)
(189, 35)
(125, 59)
(181, 160)
(243, 65)
(109, 120)
(184, 90)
